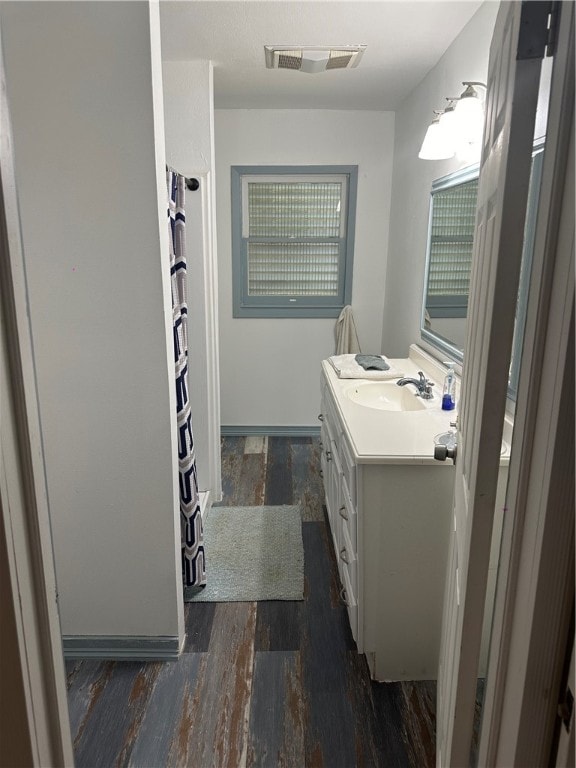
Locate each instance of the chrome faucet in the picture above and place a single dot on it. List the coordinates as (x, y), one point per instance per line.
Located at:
(422, 384)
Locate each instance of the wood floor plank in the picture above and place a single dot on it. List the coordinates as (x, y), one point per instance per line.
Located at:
(278, 472)
(330, 739)
(256, 444)
(218, 712)
(277, 712)
(116, 715)
(300, 439)
(307, 488)
(366, 725)
(198, 620)
(249, 491)
(86, 681)
(278, 625)
(232, 452)
(390, 733)
(164, 729)
(321, 581)
(419, 721)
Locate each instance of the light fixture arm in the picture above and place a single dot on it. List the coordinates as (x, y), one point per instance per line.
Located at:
(470, 90)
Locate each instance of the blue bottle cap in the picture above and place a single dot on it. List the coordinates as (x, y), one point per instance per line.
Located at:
(447, 403)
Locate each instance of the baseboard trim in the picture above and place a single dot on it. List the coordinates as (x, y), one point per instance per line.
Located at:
(124, 647)
(242, 431)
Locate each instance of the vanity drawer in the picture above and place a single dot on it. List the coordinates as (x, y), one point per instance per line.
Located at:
(331, 416)
(349, 599)
(327, 427)
(347, 561)
(347, 512)
(330, 452)
(324, 439)
(324, 448)
(349, 471)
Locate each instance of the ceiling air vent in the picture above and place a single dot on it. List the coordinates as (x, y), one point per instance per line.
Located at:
(312, 59)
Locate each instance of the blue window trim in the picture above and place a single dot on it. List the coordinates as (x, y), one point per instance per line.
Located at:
(245, 306)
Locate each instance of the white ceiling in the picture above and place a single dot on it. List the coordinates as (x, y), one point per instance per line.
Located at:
(405, 39)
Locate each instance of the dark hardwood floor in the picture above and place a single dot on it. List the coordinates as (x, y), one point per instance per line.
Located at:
(277, 684)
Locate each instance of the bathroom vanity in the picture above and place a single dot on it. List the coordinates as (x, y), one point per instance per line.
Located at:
(389, 506)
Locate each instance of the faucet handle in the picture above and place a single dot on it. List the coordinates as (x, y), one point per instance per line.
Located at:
(427, 393)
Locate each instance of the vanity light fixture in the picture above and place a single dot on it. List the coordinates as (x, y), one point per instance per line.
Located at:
(458, 129)
(448, 122)
(470, 113)
(436, 144)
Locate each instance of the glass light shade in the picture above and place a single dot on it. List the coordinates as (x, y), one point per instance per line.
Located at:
(469, 116)
(449, 124)
(436, 144)
(469, 151)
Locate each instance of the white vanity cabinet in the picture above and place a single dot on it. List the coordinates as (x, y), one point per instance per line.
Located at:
(339, 475)
(389, 520)
(390, 509)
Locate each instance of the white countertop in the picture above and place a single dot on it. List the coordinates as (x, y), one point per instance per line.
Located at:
(394, 437)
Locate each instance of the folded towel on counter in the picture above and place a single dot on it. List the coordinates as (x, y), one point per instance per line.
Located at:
(346, 367)
(372, 362)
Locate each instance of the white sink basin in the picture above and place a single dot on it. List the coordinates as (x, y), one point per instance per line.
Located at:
(385, 396)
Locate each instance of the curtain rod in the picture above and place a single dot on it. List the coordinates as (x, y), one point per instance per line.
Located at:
(191, 183)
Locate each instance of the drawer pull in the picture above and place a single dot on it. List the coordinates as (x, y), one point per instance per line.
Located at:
(343, 512)
(344, 596)
(321, 416)
(328, 455)
(344, 555)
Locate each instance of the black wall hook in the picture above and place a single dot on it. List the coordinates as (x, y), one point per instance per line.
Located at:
(192, 184)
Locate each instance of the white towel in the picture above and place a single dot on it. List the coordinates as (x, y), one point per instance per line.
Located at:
(345, 333)
(347, 368)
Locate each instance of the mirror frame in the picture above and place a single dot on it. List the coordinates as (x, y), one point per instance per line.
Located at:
(436, 340)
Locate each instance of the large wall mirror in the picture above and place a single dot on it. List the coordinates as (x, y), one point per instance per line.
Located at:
(448, 260)
(449, 257)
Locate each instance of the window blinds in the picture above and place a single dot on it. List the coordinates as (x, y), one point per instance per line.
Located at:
(451, 239)
(293, 233)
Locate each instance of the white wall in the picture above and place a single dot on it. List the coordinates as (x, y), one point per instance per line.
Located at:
(270, 368)
(83, 83)
(189, 122)
(465, 59)
(189, 115)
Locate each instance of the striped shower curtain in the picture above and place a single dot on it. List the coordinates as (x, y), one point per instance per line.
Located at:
(193, 566)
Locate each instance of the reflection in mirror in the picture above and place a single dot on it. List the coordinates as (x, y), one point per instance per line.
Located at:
(527, 251)
(449, 256)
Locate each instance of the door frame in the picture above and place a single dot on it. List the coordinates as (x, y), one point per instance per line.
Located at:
(535, 584)
(34, 721)
(514, 75)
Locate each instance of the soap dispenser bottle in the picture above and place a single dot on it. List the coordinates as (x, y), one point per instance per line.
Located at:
(449, 390)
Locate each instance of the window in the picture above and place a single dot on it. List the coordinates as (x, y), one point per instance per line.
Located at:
(450, 241)
(292, 240)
